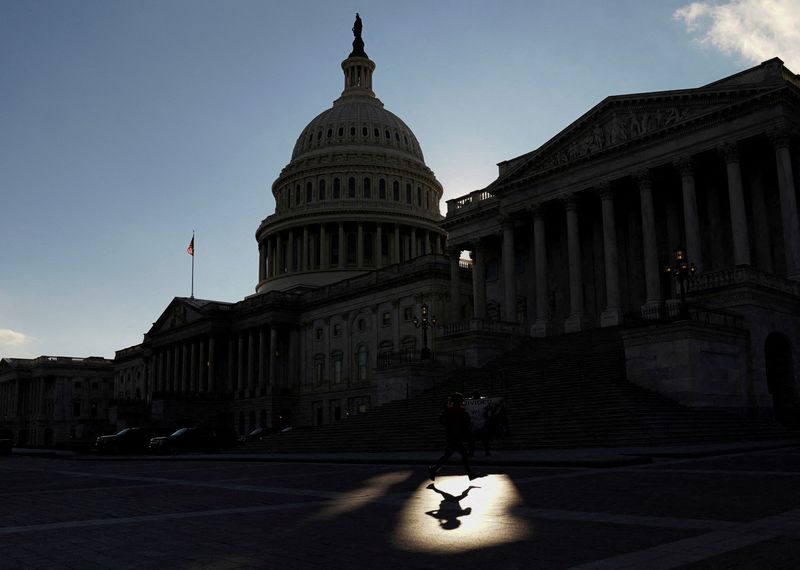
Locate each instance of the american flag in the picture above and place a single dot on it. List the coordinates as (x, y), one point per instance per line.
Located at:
(190, 249)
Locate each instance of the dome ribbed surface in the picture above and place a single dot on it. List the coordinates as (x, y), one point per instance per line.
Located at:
(345, 125)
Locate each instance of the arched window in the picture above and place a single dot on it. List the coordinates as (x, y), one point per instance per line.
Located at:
(341, 131)
(396, 190)
(382, 189)
(321, 189)
(309, 191)
(362, 359)
(377, 133)
(298, 196)
(408, 193)
(388, 136)
(367, 188)
(330, 133)
(351, 187)
(419, 196)
(319, 135)
(336, 188)
(352, 131)
(364, 131)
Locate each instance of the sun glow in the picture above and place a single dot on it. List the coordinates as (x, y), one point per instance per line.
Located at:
(455, 515)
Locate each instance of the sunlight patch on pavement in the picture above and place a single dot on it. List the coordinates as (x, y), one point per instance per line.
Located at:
(373, 488)
(454, 514)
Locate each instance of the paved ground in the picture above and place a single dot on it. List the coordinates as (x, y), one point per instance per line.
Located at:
(740, 510)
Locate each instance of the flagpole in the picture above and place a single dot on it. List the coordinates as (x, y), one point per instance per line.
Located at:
(192, 295)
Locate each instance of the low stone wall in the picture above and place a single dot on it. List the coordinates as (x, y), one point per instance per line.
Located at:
(695, 364)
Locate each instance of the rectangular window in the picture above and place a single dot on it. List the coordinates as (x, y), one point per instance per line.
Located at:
(408, 313)
(337, 330)
(319, 334)
(386, 319)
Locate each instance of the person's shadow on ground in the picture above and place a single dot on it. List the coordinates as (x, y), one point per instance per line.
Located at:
(450, 509)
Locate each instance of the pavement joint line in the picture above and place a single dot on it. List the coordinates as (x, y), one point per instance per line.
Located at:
(80, 489)
(154, 518)
(400, 498)
(696, 548)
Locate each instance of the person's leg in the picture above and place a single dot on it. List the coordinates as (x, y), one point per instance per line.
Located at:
(433, 469)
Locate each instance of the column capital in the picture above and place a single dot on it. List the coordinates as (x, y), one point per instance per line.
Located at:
(570, 202)
(685, 165)
(605, 190)
(781, 137)
(729, 151)
(644, 178)
(506, 221)
(537, 210)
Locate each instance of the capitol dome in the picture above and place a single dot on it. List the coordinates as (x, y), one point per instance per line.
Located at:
(356, 195)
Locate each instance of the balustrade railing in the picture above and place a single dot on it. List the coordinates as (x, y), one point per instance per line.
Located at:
(741, 275)
(483, 325)
(471, 200)
(390, 360)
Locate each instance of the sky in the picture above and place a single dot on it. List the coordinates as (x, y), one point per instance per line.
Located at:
(125, 125)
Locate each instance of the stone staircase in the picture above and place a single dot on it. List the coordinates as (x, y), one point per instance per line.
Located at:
(566, 391)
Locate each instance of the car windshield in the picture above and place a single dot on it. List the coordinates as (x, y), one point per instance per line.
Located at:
(180, 432)
(123, 432)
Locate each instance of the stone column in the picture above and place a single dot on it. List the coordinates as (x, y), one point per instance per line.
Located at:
(262, 262)
(212, 362)
(478, 282)
(360, 246)
(184, 367)
(242, 363)
(455, 285)
(694, 249)
(509, 273)
(290, 251)
(262, 359)
(342, 246)
(652, 277)
(789, 219)
(427, 242)
(412, 244)
(305, 264)
(396, 244)
(279, 257)
(174, 365)
(251, 359)
(761, 225)
(324, 249)
(575, 321)
(378, 249)
(540, 327)
(741, 239)
(612, 315)
(203, 365)
(273, 358)
(231, 365)
(192, 383)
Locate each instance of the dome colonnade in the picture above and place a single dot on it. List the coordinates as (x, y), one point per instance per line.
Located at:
(356, 195)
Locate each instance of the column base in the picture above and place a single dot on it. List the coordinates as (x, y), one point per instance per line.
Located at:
(540, 329)
(575, 323)
(611, 317)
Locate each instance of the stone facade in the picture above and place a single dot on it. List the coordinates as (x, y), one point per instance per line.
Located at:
(577, 233)
(55, 399)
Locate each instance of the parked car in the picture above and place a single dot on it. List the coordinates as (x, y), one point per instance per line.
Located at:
(129, 440)
(186, 439)
(254, 435)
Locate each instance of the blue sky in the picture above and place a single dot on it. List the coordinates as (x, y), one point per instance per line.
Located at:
(126, 124)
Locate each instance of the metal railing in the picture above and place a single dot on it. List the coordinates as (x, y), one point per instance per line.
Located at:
(389, 360)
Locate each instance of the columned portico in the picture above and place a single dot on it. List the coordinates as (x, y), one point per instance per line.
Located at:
(741, 240)
(540, 327)
(575, 321)
(612, 315)
(694, 249)
(509, 277)
(653, 296)
(478, 281)
(789, 217)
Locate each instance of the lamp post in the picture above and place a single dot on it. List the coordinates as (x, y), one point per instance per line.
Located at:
(423, 323)
(683, 270)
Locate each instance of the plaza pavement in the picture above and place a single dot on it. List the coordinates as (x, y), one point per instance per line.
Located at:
(732, 506)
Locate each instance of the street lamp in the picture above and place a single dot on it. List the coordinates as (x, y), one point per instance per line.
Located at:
(423, 323)
(683, 271)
